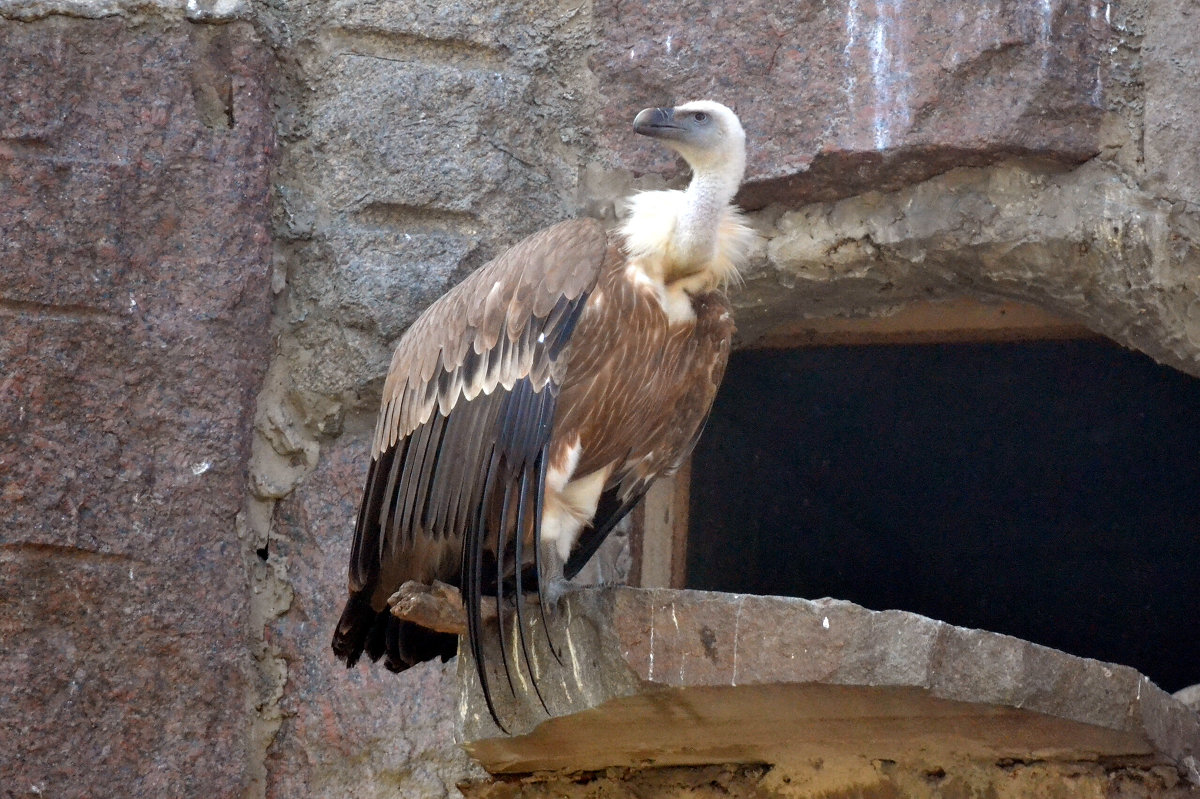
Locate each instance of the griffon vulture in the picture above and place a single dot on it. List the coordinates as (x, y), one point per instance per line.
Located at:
(529, 408)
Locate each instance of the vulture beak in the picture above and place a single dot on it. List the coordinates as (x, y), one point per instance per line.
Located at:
(658, 123)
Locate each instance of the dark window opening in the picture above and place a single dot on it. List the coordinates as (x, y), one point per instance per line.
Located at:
(1049, 490)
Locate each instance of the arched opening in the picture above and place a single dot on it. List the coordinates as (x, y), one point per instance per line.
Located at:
(1042, 484)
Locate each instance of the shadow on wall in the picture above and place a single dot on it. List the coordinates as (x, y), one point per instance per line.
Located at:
(1047, 490)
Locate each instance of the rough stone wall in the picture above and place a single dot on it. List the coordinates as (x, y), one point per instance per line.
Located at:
(134, 319)
(1044, 151)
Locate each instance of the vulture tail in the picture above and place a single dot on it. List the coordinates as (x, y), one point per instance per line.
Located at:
(505, 505)
(381, 635)
(519, 560)
(353, 629)
(537, 551)
(511, 500)
(472, 588)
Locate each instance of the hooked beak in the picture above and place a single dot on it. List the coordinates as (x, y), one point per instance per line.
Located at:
(658, 123)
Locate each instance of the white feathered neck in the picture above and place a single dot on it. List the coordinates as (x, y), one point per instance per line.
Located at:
(652, 239)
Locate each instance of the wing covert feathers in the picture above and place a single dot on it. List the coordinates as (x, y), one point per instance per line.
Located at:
(482, 333)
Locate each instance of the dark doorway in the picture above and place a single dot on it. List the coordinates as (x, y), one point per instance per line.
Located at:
(1048, 490)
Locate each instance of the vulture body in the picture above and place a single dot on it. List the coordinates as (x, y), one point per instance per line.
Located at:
(530, 408)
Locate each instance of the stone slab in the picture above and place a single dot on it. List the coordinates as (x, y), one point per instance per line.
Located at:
(387, 734)
(134, 331)
(842, 97)
(689, 677)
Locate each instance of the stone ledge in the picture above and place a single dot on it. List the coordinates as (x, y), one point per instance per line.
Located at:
(661, 677)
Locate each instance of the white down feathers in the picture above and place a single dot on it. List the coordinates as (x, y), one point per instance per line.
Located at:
(649, 231)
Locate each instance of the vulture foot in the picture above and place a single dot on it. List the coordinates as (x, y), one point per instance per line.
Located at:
(555, 589)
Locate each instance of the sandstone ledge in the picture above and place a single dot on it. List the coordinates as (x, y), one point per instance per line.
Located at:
(663, 678)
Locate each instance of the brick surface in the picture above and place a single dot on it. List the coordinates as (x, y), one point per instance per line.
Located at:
(845, 96)
(384, 734)
(134, 304)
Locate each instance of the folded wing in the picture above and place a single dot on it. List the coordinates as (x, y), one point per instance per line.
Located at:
(453, 490)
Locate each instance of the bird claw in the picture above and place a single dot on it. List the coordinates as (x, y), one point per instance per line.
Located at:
(555, 589)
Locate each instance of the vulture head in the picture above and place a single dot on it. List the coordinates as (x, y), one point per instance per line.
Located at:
(695, 235)
(707, 134)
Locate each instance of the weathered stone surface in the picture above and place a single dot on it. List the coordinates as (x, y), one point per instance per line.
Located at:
(1171, 68)
(527, 34)
(115, 681)
(366, 730)
(842, 97)
(1084, 244)
(134, 286)
(689, 677)
(134, 308)
(195, 10)
(1190, 696)
(416, 131)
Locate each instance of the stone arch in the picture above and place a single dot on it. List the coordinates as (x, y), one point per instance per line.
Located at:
(1083, 245)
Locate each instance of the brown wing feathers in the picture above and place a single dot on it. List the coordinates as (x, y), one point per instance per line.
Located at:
(462, 437)
(656, 442)
(489, 315)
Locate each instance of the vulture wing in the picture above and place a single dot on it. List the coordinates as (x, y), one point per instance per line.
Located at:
(460, 448)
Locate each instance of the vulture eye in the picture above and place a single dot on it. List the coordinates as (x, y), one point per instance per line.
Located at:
(700, 116)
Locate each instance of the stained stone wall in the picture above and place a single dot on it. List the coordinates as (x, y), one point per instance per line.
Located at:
(217, 217)
(134, 334)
